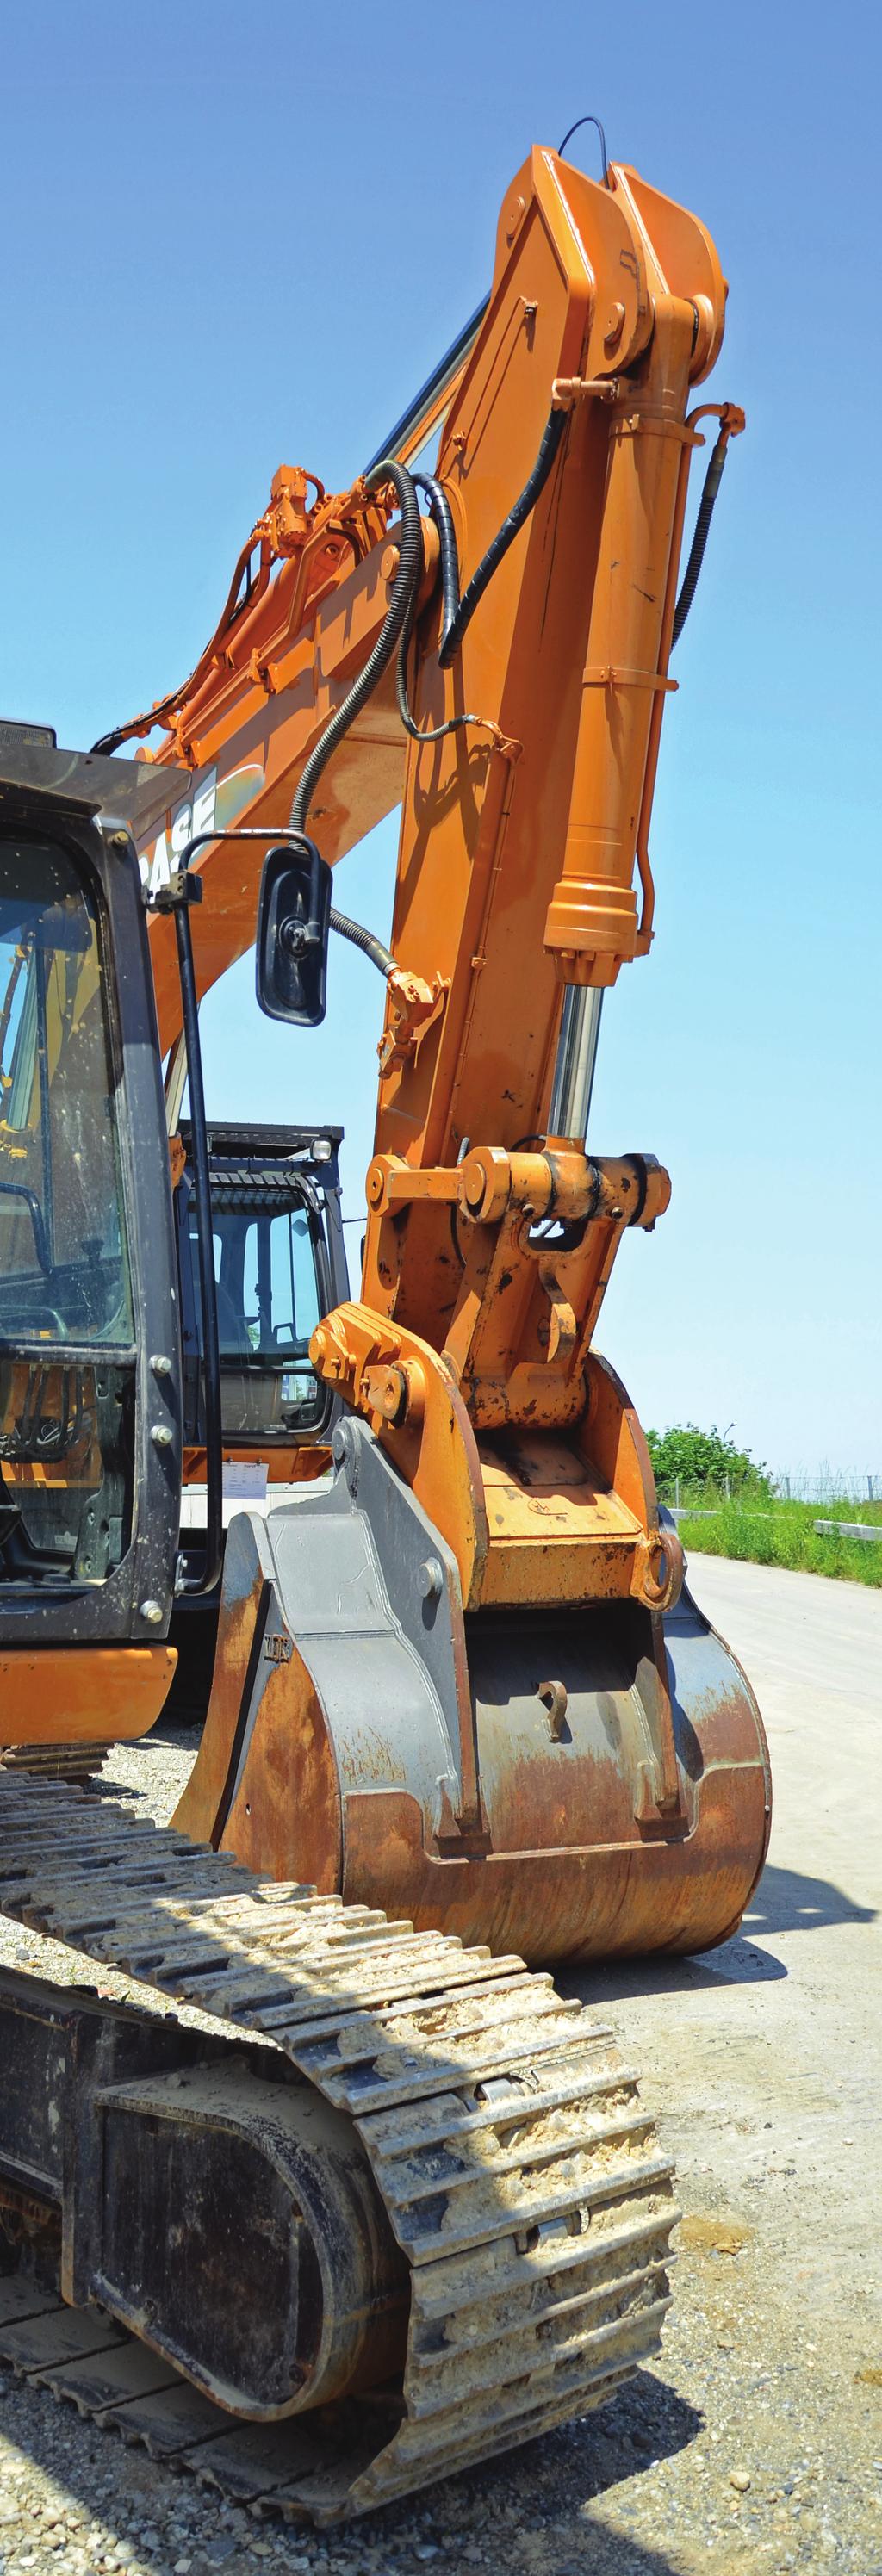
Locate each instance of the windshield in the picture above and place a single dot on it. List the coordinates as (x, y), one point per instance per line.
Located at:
(63, 1268)
(268, 1305)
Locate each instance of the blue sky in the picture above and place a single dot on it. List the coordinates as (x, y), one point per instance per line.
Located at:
(235, 236)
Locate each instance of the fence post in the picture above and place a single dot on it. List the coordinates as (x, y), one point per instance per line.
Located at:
(786, 1484)
(870, 1493)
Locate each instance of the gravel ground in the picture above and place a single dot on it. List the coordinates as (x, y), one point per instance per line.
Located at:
(756, 2445)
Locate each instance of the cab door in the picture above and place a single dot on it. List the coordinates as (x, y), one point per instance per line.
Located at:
(90, 1405)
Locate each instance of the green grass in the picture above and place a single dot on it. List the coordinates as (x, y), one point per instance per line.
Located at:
(781, 1533)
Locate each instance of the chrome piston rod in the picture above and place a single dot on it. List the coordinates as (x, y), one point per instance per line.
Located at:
(576, 1058)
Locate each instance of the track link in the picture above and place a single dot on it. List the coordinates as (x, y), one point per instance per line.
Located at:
(520, 2176)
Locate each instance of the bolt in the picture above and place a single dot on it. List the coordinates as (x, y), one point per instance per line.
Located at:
(151, 1611)
(431, 1579)
(160, 1435)
(392, 1402)
(160, 1364)
(119, 840)
(343, 1446)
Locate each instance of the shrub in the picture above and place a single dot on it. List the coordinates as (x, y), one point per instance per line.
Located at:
(706, 1464)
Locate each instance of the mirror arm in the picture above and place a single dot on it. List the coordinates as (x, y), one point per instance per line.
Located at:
(184, 889)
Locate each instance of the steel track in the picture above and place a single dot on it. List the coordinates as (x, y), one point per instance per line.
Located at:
(520, 2176)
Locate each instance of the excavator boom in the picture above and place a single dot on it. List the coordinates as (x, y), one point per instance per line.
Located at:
(499, 661)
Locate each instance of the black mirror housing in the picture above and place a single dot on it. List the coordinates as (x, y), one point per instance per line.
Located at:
(293, 924)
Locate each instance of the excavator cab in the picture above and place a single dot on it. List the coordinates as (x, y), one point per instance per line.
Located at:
(89, 1359)
(279, 1266)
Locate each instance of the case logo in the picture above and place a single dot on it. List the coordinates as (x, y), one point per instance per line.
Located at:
(212, 806)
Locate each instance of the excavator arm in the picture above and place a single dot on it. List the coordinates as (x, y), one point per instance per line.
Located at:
(524, 626)
(488, 644)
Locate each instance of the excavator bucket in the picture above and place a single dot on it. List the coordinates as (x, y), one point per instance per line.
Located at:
(539, 1808)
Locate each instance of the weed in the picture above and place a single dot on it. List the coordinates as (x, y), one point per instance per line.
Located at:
(783, 1533)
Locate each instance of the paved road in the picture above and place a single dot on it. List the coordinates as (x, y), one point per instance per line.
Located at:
(813, 1650)
(779, 2034)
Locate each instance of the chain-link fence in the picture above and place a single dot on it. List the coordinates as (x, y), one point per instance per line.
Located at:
(829, 1485)
(818, 1485)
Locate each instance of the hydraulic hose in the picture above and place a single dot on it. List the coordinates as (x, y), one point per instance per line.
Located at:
(410, 560)
(457, 613)
(440, 511)
(689, 585)
(366, 940)
(505, 536)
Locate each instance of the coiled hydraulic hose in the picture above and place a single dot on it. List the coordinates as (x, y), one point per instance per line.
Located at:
(457, 613)
(440, 511)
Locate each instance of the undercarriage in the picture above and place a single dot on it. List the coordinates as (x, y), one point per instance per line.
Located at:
(381, 2207)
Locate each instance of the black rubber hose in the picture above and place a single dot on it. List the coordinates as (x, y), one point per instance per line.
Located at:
(410, 548)
(527, 499)
(366, 940)
(440, 511)
(689, 585)
(576, 129)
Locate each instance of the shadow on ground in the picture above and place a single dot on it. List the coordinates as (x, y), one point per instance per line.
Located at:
(551, 2485)
(737, 1963)
(785, 1901)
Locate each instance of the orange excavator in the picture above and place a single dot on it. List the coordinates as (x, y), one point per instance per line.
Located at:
(462, 1711)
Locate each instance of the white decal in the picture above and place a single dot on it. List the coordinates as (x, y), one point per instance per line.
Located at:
(196, 815)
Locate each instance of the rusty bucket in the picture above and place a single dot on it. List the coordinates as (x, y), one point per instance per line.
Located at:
(505, 1776)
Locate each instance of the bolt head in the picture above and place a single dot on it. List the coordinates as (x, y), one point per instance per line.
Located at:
(151, 1611)
(343, 1444)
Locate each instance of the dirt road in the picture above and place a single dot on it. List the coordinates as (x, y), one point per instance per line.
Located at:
(756, 2446)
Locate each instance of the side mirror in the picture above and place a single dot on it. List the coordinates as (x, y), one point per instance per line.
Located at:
(293, 922)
